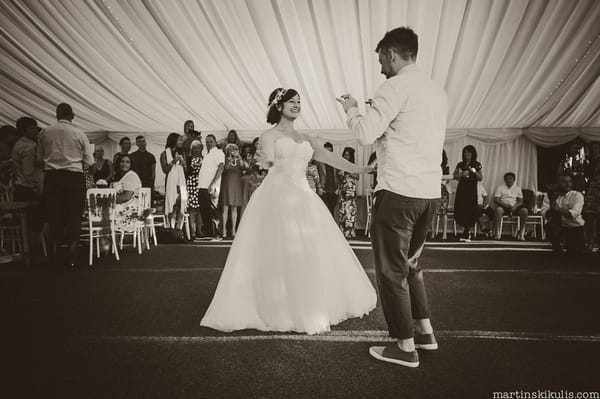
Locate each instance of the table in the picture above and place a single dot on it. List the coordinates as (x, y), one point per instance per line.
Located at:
(19, 209)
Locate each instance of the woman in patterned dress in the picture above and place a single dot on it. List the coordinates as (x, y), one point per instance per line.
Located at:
(126, 210)
(194, 161)
(347, 197)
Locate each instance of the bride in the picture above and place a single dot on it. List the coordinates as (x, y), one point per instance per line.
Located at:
(290, 267)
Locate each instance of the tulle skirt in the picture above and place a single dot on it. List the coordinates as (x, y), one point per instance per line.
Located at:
(290, 267)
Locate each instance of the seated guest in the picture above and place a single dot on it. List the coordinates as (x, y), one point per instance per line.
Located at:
(312, 175)
(28, 171)
(65, 151)
(509, 202)
(126, 211)
(485, 210)
(562, 209)
(144, 163)
(125, 144)
(102, 169)
(209, 181)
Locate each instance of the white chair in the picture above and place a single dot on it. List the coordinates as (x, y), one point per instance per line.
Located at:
(100, 209)
(450, 219)
(536, 220)
(369, 197)
(150, 217)
(514, 221)
(139, 231)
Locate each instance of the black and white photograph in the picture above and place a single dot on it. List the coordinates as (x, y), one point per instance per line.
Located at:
(300, 199)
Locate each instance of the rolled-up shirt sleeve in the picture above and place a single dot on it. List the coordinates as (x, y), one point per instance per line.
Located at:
(577, 206)
(386, 105)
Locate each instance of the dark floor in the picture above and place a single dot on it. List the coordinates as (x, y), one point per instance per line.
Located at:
(118, 330)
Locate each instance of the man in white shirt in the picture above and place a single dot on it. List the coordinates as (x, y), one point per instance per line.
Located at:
(209, 181)
(509, 202)
(407, 123)
(65, 151)
(562, 210)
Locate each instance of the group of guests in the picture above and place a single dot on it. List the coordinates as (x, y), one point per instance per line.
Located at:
(571, 207)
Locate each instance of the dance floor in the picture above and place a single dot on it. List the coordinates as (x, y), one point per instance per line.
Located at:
(509, 317)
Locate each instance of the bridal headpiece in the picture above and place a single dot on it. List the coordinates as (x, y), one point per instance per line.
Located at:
(278, 97)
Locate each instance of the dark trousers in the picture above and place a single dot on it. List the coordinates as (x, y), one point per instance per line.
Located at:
(399, 229)
(330, 199)
(209, 213)
(64, 199)
(573, 237)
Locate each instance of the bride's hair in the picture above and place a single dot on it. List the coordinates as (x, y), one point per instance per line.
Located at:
(277, 97)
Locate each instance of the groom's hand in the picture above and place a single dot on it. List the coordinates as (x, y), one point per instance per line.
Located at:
(347, 101)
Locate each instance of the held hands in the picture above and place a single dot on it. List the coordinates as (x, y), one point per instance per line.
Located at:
(368, 170)
(347, 101)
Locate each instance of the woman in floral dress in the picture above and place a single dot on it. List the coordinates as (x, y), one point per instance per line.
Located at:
(194, 161)
(347, 197)
(126, 210)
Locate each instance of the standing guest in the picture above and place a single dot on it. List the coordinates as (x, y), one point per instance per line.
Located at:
(190, 134)
(445, 197)
(126, 211)
(407, 122)
(468, 172)
(65, 151)
(173, 166)
(347, 197)
(28, 170)
(329, 182)
(509, 201)
(101, 169)
(591, 207)
(233, 138)
(8, 138)
(125, 144)
(312, 175)
(144, 163)
(209, 181)
(194, 161)
(574, 164)
(562, 209)
(231, 188)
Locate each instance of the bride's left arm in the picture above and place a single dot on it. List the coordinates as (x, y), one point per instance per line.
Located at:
(328, 157)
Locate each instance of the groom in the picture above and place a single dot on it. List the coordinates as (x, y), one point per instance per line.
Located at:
(407, 123)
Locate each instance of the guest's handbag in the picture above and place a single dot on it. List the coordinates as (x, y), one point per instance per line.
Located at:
(170, 236)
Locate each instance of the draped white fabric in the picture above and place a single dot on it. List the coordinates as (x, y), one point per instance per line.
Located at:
(512, 69)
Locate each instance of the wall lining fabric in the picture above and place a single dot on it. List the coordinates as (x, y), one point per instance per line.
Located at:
(511, 68)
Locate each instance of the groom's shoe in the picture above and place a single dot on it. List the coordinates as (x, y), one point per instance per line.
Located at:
(426, 342)
(393, 354)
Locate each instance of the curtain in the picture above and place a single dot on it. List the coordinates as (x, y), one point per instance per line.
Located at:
(514, 70)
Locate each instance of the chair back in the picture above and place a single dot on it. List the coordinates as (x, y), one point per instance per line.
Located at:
(144, 200)
(529, 200)
(101, 204)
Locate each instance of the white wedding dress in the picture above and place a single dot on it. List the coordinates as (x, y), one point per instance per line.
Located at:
(290, 267)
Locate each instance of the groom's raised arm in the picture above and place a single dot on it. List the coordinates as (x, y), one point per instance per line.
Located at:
(385, 107)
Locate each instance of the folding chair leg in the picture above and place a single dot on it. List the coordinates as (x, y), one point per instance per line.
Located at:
(91, 251)
(114, 244)
(122, 239)
(98, 245)
(44, 249)
(154, 235)
(187, 229)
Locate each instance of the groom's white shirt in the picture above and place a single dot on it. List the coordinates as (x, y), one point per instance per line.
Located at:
(407, 123)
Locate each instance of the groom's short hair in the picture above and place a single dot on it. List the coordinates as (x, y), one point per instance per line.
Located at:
(403, 41)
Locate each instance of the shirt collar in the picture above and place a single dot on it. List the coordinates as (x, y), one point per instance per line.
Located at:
(64, 121)
(407, 69)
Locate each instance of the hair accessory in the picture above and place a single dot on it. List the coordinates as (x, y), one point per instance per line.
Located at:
(278, 97)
